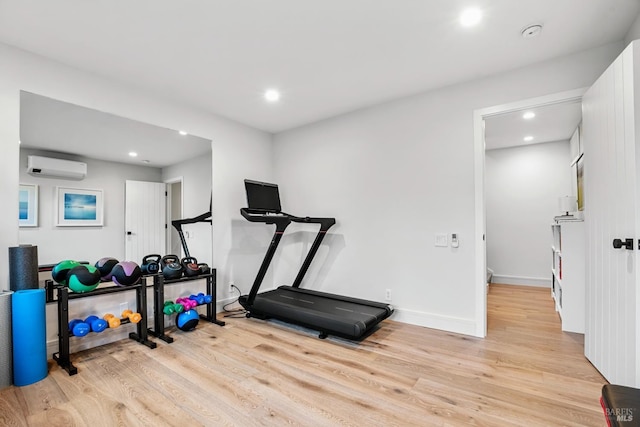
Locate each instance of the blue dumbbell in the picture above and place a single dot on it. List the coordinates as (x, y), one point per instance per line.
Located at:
(197, 298)
(204, 299)
(97, 324)
(79, 328)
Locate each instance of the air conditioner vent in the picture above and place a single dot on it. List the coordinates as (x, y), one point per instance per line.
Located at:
(56, 168)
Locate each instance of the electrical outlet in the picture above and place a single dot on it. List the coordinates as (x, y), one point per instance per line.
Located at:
(231, 285)
(124, 306)
(387, 295)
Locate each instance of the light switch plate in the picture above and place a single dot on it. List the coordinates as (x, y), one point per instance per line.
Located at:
(441, 240)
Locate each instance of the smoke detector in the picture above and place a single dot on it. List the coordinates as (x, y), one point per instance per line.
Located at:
(531, 31)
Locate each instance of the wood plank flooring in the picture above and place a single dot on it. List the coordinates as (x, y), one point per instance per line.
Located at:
(252, 372)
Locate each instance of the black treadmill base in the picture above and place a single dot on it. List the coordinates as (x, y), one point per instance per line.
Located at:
(310, 330)
(329, 314)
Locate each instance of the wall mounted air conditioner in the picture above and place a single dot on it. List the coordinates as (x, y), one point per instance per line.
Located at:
(58, 168)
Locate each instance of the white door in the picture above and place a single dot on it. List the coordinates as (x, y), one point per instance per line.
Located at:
(610, 185)
(145, 212)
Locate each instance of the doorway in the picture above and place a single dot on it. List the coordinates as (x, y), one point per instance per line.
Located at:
(480, 187)
(174, 212)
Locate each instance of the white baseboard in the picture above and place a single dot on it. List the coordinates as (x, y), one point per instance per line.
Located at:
(435, 321)
(521, 280)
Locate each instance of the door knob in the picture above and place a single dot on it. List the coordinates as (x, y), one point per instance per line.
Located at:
(619, 243)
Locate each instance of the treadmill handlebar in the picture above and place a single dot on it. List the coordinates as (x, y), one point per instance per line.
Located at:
(259, 216)
(283, 218)
(325, 223)
(282, 221)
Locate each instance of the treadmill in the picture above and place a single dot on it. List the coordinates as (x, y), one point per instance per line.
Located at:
(178, 223)
(329, 314)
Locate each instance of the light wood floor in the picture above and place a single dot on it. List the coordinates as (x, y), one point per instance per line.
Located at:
(250, 372)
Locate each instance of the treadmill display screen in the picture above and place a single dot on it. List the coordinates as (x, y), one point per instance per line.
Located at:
(262, 196)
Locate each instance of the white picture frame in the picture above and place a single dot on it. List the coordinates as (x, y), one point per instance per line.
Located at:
(28, 205)
(78, 207)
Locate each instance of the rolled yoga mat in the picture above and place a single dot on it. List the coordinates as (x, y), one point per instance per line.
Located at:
(6, 371)
(29, 326)
(23, 267)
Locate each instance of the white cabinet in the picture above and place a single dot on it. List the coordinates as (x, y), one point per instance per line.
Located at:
(567, 271)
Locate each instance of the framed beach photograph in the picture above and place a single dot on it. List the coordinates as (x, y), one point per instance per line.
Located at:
(79, 207)
(28, 205)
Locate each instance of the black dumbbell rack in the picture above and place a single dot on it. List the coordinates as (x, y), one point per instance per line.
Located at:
(63, 297)
(159, 283)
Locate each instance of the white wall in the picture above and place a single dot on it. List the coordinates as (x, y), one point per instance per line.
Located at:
(237, 151)
(394, 175)
(522, 187)
(82, 243)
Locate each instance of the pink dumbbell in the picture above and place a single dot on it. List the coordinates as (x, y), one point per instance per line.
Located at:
(187, 303)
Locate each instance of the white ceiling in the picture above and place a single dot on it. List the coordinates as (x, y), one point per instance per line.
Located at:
(327, 57)
(551, 123)
(58, 126)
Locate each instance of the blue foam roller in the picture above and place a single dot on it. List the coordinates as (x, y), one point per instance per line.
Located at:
(29, 327)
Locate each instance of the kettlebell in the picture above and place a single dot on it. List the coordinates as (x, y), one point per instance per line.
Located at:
(150, 264)
(204, 268)
(190, 266)
(171, 268)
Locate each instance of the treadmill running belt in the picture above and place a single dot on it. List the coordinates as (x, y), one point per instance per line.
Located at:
(346, 317)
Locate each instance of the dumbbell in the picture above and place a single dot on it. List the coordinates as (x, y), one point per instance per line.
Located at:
(171, 308)
(187, 303)
(133, 317)
(194, 303)
(97, 324)
(201, 298)
(79, 328)
(112, 320)
(197, 298)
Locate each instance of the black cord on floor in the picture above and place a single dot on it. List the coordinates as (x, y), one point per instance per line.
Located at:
(236, 312)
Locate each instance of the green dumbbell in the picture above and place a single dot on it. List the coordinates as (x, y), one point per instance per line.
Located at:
(171, 308)
(168, 308)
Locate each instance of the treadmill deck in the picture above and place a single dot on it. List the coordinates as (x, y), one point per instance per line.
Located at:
(328, 313)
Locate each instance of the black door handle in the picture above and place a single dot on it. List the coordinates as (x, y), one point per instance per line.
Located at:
(627, 244)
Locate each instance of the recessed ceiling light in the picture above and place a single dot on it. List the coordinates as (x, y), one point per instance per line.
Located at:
(272, 95)
(528, 115)
(183, 132)
(133, 154)
(528, 138)
(470, 17)
(146, 161)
